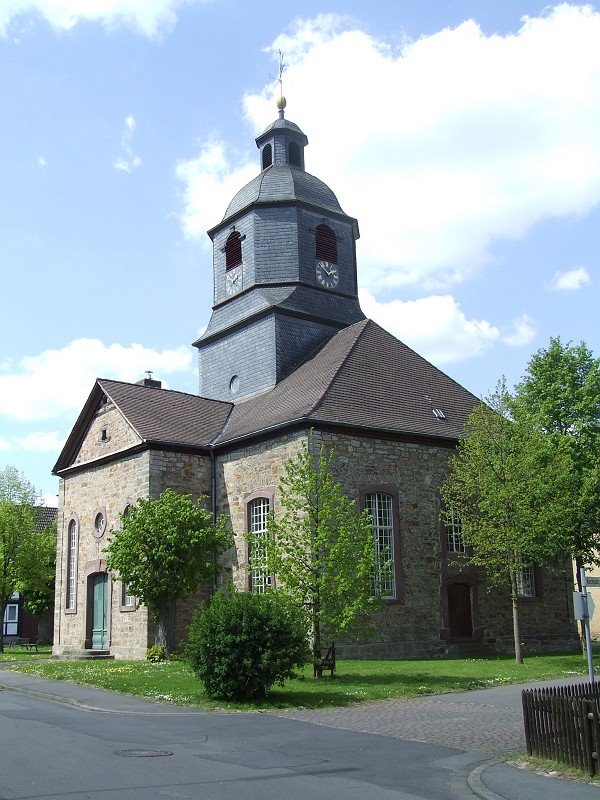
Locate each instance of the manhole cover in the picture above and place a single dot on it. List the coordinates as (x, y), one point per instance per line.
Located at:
(143, 753)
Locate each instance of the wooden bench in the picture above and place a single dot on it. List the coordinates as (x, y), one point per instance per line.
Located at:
(327, 662)
(21, 641)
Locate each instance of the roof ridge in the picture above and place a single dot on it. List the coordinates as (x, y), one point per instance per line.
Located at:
(320, 401)
(172, 391)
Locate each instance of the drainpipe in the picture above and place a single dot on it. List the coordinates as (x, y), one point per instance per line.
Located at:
(213, 508)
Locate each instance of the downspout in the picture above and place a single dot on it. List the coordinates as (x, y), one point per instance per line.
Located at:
(213, 508)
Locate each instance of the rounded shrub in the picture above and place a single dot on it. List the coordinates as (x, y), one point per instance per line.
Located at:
(243, 643)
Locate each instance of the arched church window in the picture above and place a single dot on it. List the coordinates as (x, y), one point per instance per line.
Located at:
(71, 593)
(326, 244)
(294, 154)
(233, 250)
(267, 156)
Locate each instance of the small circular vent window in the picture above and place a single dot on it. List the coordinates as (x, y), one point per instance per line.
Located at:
(99, 524)
(234, 384)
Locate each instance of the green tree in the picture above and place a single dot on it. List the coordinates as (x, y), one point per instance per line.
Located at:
(320, 548)
(508, 481)
(561, 393)
(25, 551)
(165, 547)
(39, 601)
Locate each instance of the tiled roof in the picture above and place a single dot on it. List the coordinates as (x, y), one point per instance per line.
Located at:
(45, 516)
(362, 377)
(168, 417)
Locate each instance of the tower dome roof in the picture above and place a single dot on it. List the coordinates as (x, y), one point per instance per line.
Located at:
(280, 183)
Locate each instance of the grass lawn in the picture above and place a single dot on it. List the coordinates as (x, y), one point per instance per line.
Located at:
(354, 681)
(20, 653)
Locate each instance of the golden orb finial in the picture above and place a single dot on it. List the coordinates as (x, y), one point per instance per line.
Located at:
(281, 103)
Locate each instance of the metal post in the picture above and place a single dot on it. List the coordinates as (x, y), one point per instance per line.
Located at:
(586, 623)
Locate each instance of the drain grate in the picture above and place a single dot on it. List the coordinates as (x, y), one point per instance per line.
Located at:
(143, 753)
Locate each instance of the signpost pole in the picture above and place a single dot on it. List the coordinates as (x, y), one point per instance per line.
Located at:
(586, 624)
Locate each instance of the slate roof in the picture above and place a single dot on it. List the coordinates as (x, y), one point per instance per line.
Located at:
(363, 377)
(280, 183)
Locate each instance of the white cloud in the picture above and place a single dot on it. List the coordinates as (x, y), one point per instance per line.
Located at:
(57, 382)
(40, 442)
(520, 332)
(569, 281)
(147, 17)
(440, 148)
(5, 444)
(130, 161)
(435, 326)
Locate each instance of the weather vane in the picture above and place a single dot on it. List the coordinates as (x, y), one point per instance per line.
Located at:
(281, 102)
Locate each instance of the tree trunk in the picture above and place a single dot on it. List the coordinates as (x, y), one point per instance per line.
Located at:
(516, 626)
(316, 642)
(164, 635)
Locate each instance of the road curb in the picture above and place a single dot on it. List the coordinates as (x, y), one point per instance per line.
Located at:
(478, 787)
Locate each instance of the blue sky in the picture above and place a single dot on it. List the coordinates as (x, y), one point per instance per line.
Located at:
(463, 135)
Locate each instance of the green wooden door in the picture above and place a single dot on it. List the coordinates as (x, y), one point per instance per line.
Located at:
(99, 621)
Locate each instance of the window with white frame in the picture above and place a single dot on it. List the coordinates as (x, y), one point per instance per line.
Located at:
(258, 517)
(127, 599)
(71, 595)
(526, 581)
(380, 507)
(454, 538)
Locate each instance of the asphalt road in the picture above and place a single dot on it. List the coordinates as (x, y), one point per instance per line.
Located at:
(58, 750)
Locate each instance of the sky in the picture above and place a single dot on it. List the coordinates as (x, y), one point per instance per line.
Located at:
(463, 134)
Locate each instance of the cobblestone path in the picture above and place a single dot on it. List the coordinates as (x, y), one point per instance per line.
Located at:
(467, 726)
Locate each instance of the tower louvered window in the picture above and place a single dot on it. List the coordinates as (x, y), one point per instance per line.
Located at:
(326, 244)
(233, 250)
(267, 156)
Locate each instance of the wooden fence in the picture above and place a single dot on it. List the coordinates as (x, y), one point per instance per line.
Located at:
(563, 723)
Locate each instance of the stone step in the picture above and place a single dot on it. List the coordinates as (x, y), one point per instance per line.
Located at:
(73, 654)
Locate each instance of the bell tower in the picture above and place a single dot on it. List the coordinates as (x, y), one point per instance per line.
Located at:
(284, 272)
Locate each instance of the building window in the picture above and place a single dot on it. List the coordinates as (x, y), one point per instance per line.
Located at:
(454, 538)
(326, 244)
(233, 250)
(71, 597)
(526, 581)
(99, 523)
(294, 154)
(380, 507)
(258, 516)
(267, 156)
(128, 601)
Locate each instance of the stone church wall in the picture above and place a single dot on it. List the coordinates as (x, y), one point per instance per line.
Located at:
(108, 433)
(415, 624)
(110, 488)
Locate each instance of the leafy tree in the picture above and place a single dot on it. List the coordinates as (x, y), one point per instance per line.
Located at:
(165, 547)
(320, 548)
(508, 483)
(39, 601)
(561, 393)
(25, 551)
(243, 643)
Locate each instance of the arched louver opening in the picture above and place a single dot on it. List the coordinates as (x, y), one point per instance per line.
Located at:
(267, 156)
(233, 250)
(326, 244)
(294, 154)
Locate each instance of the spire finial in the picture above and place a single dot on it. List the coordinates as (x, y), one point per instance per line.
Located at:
(281, 102)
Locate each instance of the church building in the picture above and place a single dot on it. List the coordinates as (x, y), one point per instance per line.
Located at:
(289, 351)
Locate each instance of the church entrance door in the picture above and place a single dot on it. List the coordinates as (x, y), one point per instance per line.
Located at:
(460, 620)
(100, 611)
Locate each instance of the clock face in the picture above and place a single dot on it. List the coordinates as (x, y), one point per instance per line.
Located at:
(233, 281)
(327, 274)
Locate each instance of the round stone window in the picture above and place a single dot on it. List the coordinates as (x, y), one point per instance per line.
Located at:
(99, 523)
